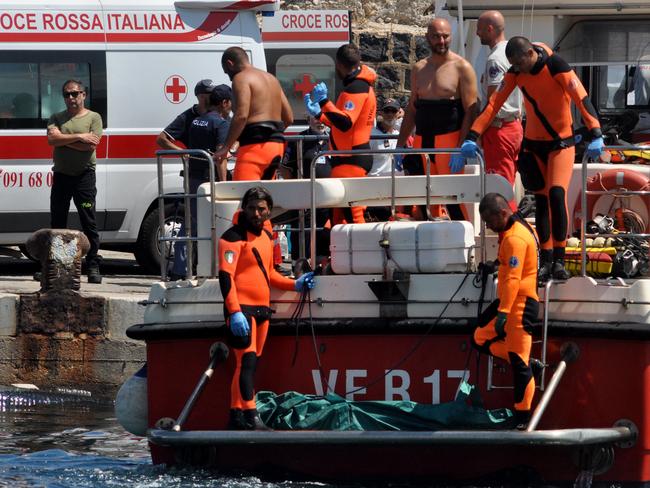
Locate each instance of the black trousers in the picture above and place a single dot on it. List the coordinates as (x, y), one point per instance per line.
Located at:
(82, 190)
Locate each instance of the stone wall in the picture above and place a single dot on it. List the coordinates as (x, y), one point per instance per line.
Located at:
(390, 34)
(399, 12)
(392, 54)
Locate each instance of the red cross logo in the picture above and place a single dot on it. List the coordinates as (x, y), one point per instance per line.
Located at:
(175, 89)
(305, 85)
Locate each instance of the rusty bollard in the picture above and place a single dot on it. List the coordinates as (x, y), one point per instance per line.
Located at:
(59, 251)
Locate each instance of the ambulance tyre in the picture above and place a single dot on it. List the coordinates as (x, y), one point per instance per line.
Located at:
(147, 249)
(23, 249)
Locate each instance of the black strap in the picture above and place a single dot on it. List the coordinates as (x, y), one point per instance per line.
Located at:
(260, 263)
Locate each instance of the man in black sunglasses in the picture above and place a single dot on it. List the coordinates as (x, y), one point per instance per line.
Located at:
(75, 134)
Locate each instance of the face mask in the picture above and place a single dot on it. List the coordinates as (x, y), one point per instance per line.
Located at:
(317, 128)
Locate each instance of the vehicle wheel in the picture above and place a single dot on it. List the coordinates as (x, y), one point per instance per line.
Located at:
(23, 249)
(148, 249)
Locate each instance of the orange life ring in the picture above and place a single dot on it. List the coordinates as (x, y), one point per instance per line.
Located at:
(612, 179)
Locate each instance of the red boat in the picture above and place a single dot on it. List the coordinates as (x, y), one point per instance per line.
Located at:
(389, 335)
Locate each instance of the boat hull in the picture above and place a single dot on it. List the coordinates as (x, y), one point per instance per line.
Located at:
(606, 384)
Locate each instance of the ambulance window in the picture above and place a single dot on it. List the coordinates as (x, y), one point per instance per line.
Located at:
(30, 91)
(298, 73)
(53, 75)
(18, 90)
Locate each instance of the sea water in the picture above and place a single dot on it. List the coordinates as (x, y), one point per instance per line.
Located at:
(72, 440)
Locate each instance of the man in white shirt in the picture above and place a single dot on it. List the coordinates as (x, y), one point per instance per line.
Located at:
(502, 140)
(386, 125)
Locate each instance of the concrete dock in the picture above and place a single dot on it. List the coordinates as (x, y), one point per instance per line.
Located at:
(73, 340)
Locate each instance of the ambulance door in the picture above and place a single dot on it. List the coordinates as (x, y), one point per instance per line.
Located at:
(30, 93)
(148, 90)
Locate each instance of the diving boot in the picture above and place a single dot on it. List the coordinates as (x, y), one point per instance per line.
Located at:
(253, 420)
(236, 420)
(536, 366)
(522, 417)
(545, 266)
(559, 272)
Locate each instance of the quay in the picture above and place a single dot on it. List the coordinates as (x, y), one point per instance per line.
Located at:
(74, 340)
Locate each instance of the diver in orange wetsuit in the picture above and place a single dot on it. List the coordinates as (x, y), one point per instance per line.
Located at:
(442, 106)
(246, 274)
(262, 112)
(545, 164)
(350, 120)
(505, 327)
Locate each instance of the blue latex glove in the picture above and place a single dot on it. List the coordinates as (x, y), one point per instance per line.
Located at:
(469, 149)
(313, 108)
(399, 162)
(319, 93)
(239, 325)
(595, 148)
(500, 324)
(305, 281)
(456, 163)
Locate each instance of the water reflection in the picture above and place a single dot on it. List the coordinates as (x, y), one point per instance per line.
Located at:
(67, 440)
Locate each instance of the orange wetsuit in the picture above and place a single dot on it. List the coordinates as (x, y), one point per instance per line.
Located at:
(517, 297)
(351, 120)
(261, 147)
(546, 161)
(437, 125)
(246, 274)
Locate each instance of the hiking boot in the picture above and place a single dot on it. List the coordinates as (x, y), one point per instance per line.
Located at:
(253, 420)
(236, 420)
(536, 366)
(522, 417)
(559, 272)
(94, 276)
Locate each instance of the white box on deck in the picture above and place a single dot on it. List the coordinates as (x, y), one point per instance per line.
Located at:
(416, 247)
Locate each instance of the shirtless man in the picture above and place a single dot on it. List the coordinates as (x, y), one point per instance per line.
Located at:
(443, 104)
(262, 112)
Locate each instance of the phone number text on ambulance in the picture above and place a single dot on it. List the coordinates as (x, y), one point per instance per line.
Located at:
(19, 179)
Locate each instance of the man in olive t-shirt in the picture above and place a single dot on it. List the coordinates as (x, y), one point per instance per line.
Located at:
(75, 134)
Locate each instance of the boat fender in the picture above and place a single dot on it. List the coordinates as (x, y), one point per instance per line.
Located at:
(131, 403)
(610, 180)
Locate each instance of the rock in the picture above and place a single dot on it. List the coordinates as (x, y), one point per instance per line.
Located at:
(422, 49)
(387, 78)
(401, 48)
(373, 49)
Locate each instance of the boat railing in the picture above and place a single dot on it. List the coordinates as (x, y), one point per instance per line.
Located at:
(188, 238)
(186, 196)
(585, 217)
(397, 151)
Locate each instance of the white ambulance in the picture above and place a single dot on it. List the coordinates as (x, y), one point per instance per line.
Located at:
(140, 61)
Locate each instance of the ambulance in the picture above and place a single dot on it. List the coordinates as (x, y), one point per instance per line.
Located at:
(140, 61)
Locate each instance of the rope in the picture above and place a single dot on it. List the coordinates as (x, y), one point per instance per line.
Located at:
(306, 296)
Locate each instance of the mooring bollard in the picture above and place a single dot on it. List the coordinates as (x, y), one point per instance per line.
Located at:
(59, 251)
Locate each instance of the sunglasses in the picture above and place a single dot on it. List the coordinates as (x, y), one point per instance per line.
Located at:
(390, 110)
(71, 94)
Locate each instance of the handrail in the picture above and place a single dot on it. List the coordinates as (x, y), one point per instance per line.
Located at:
(299, 139)
(406, 151)
(201, 154)
(583, 202)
